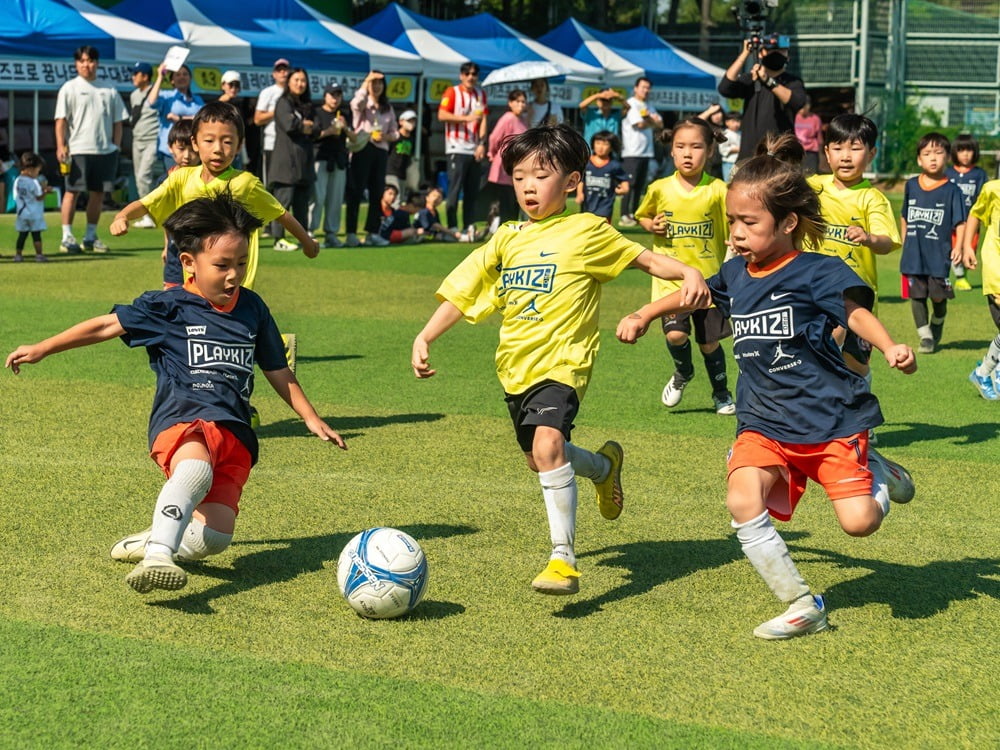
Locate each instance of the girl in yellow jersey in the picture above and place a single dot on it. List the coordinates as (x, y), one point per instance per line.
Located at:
(686, 213)
(986, 214)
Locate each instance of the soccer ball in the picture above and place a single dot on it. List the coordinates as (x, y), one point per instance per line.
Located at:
(382, 573)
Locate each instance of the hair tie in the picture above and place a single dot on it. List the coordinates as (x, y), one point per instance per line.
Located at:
(770, 153)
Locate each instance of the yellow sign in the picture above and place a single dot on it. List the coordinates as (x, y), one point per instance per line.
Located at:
(437, 88)
(207, 79)
(399, 88)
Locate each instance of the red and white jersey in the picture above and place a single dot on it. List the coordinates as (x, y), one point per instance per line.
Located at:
(462, 137)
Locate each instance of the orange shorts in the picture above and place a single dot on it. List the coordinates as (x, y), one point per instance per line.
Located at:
(841, 466)
(230, 459)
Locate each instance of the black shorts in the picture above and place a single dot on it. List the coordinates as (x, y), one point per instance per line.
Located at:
(922, 287)
(709, 325)
(993, 300)
(857, 347)
(548, 404)
(92, 172)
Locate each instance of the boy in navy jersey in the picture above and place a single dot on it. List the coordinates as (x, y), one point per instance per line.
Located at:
(933, 208)
(604, 177)
(203, 339)
(801, 412)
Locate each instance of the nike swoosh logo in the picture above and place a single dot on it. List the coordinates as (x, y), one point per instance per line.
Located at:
(546, 255)
(855, 218)
(131, 543)
(779, 296)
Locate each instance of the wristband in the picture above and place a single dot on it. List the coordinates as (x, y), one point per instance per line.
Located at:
(770, 83)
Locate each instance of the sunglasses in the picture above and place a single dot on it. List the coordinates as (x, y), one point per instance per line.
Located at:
(237, 84)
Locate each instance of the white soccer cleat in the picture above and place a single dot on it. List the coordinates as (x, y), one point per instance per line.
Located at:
(673, 391)
(132, 548)
(724, 405)
(898, 479)
(157, 572)
(804, 616)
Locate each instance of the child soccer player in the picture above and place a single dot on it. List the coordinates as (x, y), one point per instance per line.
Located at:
(199, 429)
(858, 217)
(181, 145)
(604, 177)
(933, 208)
(970, 178)
(395, 227)
(801, 413)
(28, 201)
(986, 213)
(429, 220)
(686, 213)
(544, 277)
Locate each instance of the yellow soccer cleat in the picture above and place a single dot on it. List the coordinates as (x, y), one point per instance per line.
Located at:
(559, 577)
(610, 497)
(291, 349)
(962, 284)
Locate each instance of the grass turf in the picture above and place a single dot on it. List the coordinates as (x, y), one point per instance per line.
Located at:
(655, 651)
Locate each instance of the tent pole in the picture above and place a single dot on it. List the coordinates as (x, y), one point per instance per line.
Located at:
(34, 117)
(421, 87)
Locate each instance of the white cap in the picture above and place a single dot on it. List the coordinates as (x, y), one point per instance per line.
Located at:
(231, 76)
(408, 115)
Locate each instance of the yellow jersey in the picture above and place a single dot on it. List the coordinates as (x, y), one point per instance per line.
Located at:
(185, 184)
(987, 210)
(697, 229)
(861, 205)
(544, 278)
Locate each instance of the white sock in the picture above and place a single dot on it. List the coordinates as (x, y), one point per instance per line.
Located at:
(187, 486)
(924, 332)
(586, 463)
(769, 556)
(559, 491)
(991, 360)
(959, 270)
(67, 231)
(91, 233)
(200, 541)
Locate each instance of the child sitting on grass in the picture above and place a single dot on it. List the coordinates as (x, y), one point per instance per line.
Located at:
(395, 226)
(203, 340)
(544, 277)
(429, 220)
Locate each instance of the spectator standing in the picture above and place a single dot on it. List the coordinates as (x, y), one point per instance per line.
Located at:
(292, 169)
(715, 116)
(771, 96)
(172, 106)
(374, 116)
(232, 87)
(731, 148)
(602, 116)
(89, 119)
(511, 123)
(543, 111)
(263, 115)
(332, 132)
(401, 152)
(145, 130)
(464, 112)
(809, 132)
(639, 128)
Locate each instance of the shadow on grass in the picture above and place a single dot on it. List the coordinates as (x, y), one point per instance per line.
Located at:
(913, 592)
(648, 564)
(967, 345)
(343, 425)
(329, 358)
(908, 433)
(287, 559)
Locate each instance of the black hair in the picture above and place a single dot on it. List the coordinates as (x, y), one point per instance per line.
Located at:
(87, 50)
(709, 132)
(180, 132)
(734, 116)
(30, 160)
(557, 146)
(202, 219)
(934, 139)
(515, 94)
(469, 67)
(606, 135)
(965, 142)
(774, 177)
(640, 79)
(219, 112)
(383, 98)
(851, 127)
(299, 102)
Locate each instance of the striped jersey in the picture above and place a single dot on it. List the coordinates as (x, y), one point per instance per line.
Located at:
(462, 137)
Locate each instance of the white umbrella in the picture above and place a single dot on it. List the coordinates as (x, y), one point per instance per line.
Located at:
(527, 70)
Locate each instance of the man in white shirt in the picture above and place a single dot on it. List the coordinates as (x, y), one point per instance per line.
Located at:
(89, 119)
(464, 113)
(639, 128)
(263, 116)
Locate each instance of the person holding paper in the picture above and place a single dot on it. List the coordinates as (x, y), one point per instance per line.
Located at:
(179, 104)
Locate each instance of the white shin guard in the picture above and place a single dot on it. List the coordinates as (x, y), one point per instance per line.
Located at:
(188, 484)
(559, 491)
(199, 541)
(586, 463)
(769, 556)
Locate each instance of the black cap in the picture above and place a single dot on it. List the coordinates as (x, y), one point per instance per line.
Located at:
(334, 89)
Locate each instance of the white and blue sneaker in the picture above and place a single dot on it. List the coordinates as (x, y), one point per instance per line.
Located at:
(986, 386)
(804, 616)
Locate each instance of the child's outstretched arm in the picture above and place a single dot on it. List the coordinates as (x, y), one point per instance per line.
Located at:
(867, 326)
(285, 385)
(93, 331)
(880, 244)
(694, 291)
(968, 248)
(634, 326)
(310, 248)
(443, 318)
(134, 210)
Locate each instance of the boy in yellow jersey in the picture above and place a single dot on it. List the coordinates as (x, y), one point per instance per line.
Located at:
(686, 213)
(986, 212)
(859, 220)
(544, 277)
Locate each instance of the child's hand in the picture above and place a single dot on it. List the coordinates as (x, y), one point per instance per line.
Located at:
(419, 357)
(310, 247)
(660, 224)
(969, 258)
(323, 431)
(902, 358)
(23, 355)
(630, 328)
(119, 226)
(858, 235)
(694, 291)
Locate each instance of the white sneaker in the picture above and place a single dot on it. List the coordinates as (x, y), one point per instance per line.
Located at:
(673, 391)
(351, 240)
(95, 246)
(284, 246)
(804, 616)
(898, 479)
(70, 245)
(156, 572)
(131, 548)
(146, 222)
(724, 405)
(376, 240)
(627, 221)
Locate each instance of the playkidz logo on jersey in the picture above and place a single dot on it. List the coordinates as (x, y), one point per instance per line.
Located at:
(933, 216)
(838, 233)
(532, 278)
(768, 325)
(208, 354)
(699, 230)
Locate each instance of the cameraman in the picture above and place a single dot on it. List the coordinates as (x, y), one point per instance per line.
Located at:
(771, 96)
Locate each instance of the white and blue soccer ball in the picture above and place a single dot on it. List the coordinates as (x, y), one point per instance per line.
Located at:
(382, 573)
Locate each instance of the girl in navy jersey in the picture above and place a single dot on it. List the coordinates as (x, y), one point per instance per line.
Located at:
(801, 413)
(965, 173)
(203, 340)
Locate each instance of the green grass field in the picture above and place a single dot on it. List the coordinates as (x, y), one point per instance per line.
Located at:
(656, 651)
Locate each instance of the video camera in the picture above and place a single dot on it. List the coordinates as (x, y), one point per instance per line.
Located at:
(752, 16)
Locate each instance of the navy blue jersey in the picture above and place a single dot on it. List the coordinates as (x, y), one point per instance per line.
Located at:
(931, 216)
(398, 219)
(969, 183)
(794, 386)
(203, 357)
(599, 185)
(428, 217)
